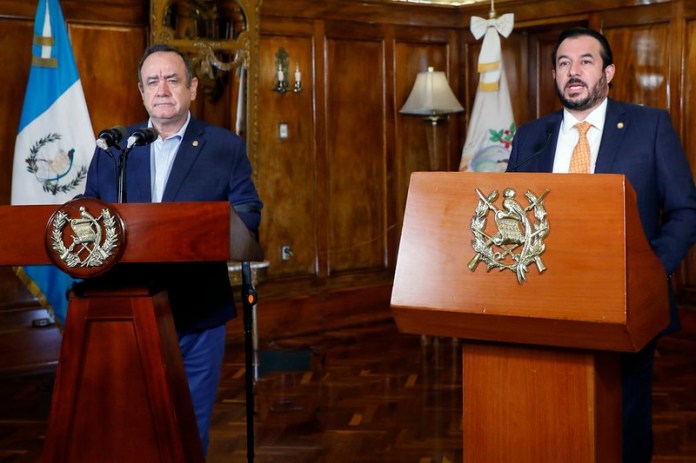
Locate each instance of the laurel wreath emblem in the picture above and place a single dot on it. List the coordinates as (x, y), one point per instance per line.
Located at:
(97, 253)
(52, 186)
(519, 242)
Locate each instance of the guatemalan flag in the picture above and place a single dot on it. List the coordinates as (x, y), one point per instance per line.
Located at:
(55, 141)
(492, 124)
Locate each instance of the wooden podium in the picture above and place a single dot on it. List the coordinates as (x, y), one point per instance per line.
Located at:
(121, 392)
(541, 378)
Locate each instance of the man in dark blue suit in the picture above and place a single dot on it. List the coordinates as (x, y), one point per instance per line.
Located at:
(189, 161)
(632, 140)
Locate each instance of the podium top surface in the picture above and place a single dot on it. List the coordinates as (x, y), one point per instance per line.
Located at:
(596, 284)
(155, 232)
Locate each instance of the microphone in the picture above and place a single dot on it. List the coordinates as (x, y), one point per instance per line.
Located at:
(141, 137)
(110, 137)
(549, 132)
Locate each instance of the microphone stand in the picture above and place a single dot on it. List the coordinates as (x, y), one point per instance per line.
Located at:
(121, 194)
(120, 164)
(139, 137)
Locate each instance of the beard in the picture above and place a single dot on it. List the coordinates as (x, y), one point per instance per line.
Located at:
(595, 95)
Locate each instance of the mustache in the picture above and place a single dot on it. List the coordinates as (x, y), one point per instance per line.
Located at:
(575, 80)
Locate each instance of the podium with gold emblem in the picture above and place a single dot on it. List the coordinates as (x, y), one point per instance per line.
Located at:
(121, 392)
(547, 278)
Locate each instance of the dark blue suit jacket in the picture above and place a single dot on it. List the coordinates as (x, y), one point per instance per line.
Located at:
(211, 165)
(640, 143)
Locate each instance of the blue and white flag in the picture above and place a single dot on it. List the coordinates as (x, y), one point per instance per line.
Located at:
(55, 141)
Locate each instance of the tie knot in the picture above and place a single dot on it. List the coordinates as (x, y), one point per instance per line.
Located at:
(583, 127)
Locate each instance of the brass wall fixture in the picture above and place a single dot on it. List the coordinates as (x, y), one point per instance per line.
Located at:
(282, 69)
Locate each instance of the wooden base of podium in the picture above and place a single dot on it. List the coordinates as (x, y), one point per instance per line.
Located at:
(528, 404)
(121, 392)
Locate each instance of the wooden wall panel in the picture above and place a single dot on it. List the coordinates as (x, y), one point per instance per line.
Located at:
(515, 50)
(286, 172)
(356, 155)
(16, 60)
(641, 56)
(112, 97)
(333, 187)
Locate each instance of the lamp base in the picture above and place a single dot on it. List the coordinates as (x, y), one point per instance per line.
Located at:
(433, 147)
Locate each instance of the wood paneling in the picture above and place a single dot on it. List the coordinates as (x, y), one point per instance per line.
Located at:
(386, 12)
(287, 172)
(642, 64)
(337, 184)
(18, 59)
(112, 97)
(356, 154)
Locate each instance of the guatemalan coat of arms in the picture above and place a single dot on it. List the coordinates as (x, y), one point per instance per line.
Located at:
(517, 240)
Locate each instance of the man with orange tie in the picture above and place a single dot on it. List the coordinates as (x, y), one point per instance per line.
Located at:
(595, 134)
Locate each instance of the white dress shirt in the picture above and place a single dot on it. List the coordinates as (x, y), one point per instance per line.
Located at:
(162, 155)
(568, 138)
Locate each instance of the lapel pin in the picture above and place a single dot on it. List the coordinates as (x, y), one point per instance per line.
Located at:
(195, 142)
(620, 125)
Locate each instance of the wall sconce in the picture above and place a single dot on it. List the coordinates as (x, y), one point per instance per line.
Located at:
(432, 98)
(282, 64)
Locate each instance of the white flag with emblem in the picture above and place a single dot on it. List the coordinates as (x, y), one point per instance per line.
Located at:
(492, 124)
(55, 140)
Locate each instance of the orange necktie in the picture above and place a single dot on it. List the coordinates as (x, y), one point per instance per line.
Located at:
(580, 161)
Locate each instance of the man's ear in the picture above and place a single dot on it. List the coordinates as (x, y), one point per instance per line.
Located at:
(609, 72)
(193, 88)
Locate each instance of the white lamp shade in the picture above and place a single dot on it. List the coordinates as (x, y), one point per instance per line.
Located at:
(431, 95)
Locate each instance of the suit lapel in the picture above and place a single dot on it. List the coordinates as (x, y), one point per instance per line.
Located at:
(612, 137)
(188, 152)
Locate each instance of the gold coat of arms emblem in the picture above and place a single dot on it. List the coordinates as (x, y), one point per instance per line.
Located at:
(85, 237)
(518, 240)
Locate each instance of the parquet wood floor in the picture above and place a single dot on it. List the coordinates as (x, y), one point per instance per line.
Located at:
(366, 394)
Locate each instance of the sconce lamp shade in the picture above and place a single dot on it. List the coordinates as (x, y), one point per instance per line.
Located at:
(431, 96)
